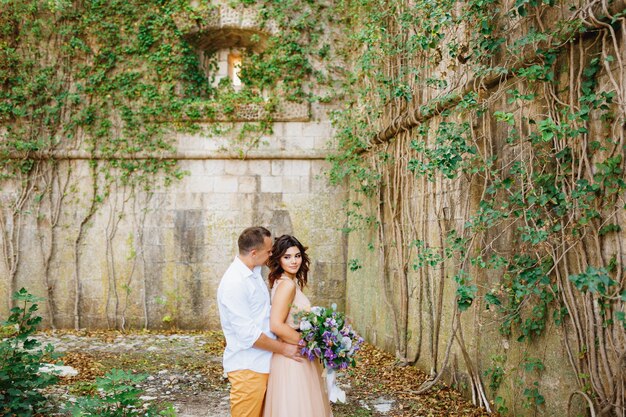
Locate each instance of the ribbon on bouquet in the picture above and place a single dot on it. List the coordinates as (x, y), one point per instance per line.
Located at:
(335, 394)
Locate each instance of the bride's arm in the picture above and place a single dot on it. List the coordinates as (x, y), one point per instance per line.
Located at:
(281, 304)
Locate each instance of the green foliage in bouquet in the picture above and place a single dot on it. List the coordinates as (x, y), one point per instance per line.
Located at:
(327, 337)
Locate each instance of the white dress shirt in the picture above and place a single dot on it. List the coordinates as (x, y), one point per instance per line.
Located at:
(244, 304)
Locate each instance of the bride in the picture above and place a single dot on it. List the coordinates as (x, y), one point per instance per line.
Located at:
(294, 388)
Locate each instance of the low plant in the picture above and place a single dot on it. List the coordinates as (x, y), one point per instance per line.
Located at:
(21, 357)
(117, 395)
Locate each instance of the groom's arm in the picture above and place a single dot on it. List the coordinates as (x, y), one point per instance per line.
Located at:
(276, 346)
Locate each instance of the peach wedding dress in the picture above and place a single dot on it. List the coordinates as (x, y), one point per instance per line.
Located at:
(295, 389)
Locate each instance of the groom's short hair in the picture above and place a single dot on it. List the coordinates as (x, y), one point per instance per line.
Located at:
(252, 238)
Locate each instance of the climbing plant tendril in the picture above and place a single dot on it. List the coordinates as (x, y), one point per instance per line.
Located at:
(505, 122)
(109, 83)
(93, 80)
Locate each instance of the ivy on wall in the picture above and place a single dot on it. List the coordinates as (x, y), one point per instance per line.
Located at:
(520, 105)
(92, 77)
(109, 82)
(507, 121)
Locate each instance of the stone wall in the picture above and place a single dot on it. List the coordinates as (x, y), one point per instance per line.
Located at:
(440, 338)
(155, 260)
(369, 308)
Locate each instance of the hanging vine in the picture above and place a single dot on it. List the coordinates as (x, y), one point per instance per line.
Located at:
(90, 96)
(66, 67)
(503, 123)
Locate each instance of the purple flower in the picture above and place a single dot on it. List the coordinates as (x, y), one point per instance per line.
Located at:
(326, 336)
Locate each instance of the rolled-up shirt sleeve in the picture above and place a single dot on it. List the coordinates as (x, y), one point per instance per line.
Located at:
(240, 318)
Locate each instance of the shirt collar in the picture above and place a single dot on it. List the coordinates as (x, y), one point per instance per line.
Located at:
(243, 268)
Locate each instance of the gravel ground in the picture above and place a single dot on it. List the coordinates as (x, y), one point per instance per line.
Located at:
(183, 370)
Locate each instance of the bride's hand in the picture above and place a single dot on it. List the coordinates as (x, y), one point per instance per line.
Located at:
(292, 352)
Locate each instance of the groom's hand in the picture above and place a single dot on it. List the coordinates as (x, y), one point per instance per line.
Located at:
(292, 352)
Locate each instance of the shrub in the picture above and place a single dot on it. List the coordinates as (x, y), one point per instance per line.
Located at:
(117, 395)
(21, 356)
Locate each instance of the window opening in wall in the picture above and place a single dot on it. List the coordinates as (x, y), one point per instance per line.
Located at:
(220, 54)
(234, 68)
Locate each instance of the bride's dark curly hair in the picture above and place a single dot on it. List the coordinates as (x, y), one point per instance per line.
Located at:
(281, 244)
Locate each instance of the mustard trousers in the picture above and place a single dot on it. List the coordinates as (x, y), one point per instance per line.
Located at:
(247, 392)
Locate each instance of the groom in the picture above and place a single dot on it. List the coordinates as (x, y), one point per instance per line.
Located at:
(244, 304)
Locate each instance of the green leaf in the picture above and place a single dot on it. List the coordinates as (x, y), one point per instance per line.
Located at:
(594, 280)
(492, 299)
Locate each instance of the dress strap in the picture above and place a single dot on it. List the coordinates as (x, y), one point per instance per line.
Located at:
(279, 280)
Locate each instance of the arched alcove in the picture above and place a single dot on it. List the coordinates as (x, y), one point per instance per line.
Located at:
(223, 35)
(212, 39)
(220, 50)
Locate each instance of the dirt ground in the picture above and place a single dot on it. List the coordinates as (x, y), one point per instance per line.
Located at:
(184, 369)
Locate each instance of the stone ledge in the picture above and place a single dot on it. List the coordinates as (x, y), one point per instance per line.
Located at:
(271, 154)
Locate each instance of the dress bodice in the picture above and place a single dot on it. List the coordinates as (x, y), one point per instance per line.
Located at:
(300, 302)
(295, 388)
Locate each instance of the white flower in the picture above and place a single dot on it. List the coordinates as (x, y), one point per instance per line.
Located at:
(317, 310)
(305, 325)
(346, 342)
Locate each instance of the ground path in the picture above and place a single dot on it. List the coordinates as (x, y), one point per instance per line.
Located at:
(184, 369)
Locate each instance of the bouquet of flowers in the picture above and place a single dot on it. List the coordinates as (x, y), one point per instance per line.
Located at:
(326, 336)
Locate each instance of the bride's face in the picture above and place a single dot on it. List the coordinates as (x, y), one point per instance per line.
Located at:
(291, 260)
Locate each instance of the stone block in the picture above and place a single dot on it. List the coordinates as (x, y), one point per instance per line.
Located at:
(292, 185)
(213, 167)
(297, 167)
(212, 144)
(293, 111)
(279, 129)
(271, 184)
(322, 142)
(199, 184)
(247, 184)
(222, 55)
(188, 200)
(249, 19)
(193, 168)
(226, 184)
(216, 202)
(320, 184)
(303, 142)
(293, 130)
(278, 168)
(258, 167)
(187, 142)
(280, 143)
(222, 66)
(235, 167)
(316, 129)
